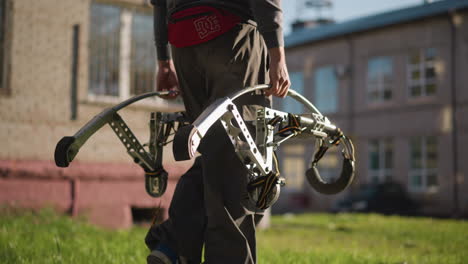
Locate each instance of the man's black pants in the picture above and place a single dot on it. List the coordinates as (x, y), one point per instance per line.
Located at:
(213, 209)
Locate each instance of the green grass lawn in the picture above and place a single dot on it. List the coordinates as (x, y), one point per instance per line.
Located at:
(46, 237)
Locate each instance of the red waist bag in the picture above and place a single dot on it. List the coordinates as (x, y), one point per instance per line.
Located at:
(199, 24)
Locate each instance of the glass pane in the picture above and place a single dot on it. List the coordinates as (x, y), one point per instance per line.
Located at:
(431, 162)
(416, 162)
(326, 86)
(387, 94)
(430, 73)
(297, 84)
(431, 152)
(431, 53)
(416, 143)
(374, 160)
(143, 60)
(415, 90)
(2, 38)
(432, 180)
(379, 77)
(415, 57)
(330, 166)
(373, 96)
(416, 181)
(372, 84)
(373, 68)
(297, 81)
(104, 47)
(293, 171)
(329, 161)
(430, 89)
(2, 17)
(388, 158)
(387, 79)
(416, 155)
(415, 75)
(431, 144)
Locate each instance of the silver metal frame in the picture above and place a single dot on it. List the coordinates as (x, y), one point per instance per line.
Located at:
(257, 154)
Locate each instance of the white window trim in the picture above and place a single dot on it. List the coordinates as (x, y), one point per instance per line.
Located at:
(126, 18)
(380, 172)
(423, 171)
(380, 86)
(423, 81)
(125, 53)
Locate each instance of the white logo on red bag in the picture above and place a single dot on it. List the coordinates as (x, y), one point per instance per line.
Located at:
(207, 25)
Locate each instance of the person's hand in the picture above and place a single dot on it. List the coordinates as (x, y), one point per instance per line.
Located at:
(166, 79)
(279, 77)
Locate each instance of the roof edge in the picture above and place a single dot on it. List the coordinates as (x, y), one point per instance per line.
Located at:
(374, 22)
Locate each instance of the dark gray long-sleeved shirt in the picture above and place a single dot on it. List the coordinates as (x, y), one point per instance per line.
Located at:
(266, 13)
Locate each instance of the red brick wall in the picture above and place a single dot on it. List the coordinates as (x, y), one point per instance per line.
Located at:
(103, 192)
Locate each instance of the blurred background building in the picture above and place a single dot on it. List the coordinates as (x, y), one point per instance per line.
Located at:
(396, 83)
(62, 62)
(393, 81)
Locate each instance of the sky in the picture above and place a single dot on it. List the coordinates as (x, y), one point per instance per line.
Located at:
(343, 10)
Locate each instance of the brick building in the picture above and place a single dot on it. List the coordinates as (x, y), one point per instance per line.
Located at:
(62, 62)
(395, 82)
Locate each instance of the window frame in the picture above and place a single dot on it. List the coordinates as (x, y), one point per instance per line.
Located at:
(380, 87)
(6, 25)
(337, 88)
(125, 53)
(381, 172)
(421, 67)
(424, 171)
(150, 43)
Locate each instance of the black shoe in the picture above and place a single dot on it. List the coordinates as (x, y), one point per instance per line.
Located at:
(162, 255)
(158, 257)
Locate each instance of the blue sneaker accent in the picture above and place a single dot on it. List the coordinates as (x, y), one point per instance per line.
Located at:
(168, 252)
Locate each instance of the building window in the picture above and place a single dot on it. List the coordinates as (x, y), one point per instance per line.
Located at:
(422, 72)
(423, 164)
(379, 79)
(122, 55)
(330, 165)
(297, 84)
(104, 43)
(143, 54)
(293, 167)
(3, 29)
(380, 164)
(326, 88)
